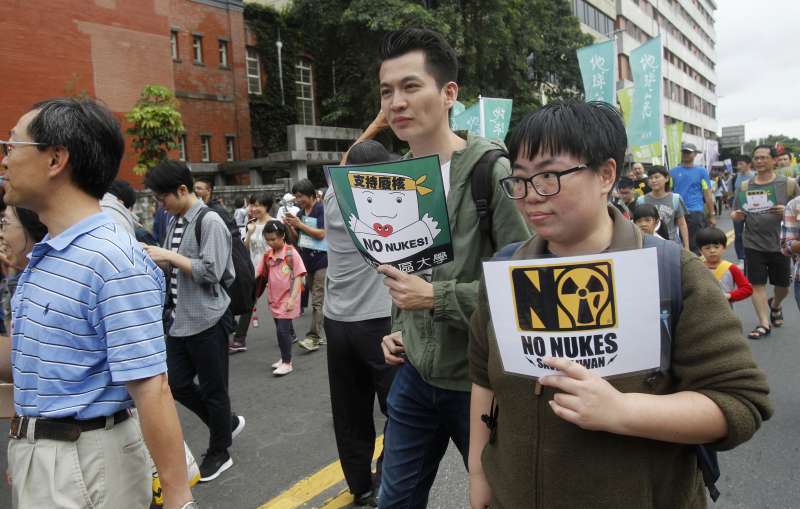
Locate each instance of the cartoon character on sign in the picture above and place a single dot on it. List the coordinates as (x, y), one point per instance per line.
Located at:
(388, 222)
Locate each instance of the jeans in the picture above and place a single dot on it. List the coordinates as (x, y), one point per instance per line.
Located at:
(797, 293)
(357, 372)
(285, 333)
(738, 243)
(204, 355)
(695, 221)
(422, 421)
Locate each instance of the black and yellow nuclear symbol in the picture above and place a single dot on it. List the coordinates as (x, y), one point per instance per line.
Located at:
(565, 297)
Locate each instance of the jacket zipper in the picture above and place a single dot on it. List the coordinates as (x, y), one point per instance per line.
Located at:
(537, 391)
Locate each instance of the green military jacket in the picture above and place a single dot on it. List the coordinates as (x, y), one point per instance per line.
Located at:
(436, 340)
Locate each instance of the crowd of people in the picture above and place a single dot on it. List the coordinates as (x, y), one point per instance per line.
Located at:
(99, 310)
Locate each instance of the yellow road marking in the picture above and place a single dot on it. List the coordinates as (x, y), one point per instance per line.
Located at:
(343, 499)
(311, 487)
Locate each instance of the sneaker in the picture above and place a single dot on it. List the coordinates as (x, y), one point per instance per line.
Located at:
(309, 344)
(277, 363)
(237, 347)
(365, 500)
(283, 369)
(214, 463)
(255, 322)
(322, 341)
(237, 425)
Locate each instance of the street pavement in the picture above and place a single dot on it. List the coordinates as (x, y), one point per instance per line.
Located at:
(281, 457)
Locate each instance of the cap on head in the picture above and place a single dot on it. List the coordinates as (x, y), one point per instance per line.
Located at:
(688, 147)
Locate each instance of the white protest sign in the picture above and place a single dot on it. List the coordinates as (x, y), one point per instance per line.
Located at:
(600, 310)
(758, 200)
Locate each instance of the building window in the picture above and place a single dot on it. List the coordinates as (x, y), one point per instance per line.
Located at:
(253, 72)
(205, 148)
(173, 43)
(230, 148)
(197, 46)
(223, 53)
(182, 147)
(305, 93)
(595, 18)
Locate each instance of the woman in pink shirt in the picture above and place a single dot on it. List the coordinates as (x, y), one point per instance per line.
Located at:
(284, 269)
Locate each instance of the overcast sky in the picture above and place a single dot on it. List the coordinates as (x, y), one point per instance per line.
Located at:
(758, 66)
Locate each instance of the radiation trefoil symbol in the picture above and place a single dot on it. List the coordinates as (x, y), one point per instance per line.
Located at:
(570, 297)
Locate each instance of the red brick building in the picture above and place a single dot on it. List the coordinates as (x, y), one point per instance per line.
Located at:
(110, 49)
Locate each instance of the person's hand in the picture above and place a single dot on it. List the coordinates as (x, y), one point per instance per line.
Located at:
(393, 348)
(251, 227)
(738, 215)
(291, 220)
(159, 254)
(728, 296)
(289, 305)
(712, 220)
(777, 210)
(585, 399)
(480, 494)
(407, 291)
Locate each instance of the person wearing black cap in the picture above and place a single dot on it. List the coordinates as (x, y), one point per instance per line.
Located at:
(694, 185)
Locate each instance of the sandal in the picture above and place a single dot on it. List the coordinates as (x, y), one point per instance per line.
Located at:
(759, 332)
(775, 315)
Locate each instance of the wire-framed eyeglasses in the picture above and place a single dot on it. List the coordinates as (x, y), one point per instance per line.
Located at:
(8, 146)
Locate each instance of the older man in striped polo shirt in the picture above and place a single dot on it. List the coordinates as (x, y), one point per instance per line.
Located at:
(88, 340)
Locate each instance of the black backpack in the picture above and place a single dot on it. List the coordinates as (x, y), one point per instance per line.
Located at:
(671, 298)
(243, 289)
(482, 186)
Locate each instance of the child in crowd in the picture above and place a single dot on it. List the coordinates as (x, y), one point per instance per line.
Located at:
(284, 268)
(647, 219)
(670, 205)
(712, 241)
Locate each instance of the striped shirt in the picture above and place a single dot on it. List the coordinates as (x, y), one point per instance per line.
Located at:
(790, 233)
(175, 243)
(86, 320)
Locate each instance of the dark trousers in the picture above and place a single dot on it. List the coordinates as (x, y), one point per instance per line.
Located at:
(738, 243)
(356, 373)
(422, 421)
(695, 221)
(242, 326)
(285, 333)
(204, 355)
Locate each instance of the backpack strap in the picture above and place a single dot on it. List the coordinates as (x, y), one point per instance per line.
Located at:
(198, 232)
(670, 289)
(482, 186)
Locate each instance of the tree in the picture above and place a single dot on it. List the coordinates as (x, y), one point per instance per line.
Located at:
(156, 126)
(493, 38)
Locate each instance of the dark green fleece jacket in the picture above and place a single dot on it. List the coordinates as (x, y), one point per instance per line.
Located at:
(537, 460)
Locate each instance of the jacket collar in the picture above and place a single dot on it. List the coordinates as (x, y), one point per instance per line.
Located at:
(69, 235)
(190, 214)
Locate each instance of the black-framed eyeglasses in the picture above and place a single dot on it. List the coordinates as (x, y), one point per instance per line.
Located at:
(8, 146)
(546, 183)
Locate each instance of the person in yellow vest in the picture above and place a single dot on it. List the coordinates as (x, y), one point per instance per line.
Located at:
(712, 242)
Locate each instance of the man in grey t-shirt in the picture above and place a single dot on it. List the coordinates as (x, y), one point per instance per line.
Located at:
(357, 315)
(763, 260)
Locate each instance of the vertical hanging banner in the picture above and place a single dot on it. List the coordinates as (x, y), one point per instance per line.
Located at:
(489, 117)
(644, 131)
(674, 134)
(625, 98)
(597, 70)
(395, 212)
(496, 116)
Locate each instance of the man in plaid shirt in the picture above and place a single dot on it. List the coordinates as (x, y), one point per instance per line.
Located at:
(790, 240)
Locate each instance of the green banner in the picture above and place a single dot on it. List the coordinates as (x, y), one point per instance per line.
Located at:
(496, 114)
(468, 120)
(395, 212)
(644, 129)
(674, 134)
(597, 70)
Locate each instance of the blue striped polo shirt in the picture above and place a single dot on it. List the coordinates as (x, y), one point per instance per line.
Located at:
(86, 319)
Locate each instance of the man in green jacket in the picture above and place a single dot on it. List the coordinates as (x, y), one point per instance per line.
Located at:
(429, 400)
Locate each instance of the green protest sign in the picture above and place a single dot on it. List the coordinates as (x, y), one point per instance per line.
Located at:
(644, 129)
(496, 116)
(674, 133)
(468, 120)
(395, 212)
(625, 98)
(597, 70)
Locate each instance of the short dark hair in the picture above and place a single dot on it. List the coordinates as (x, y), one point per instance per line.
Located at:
(167, 176)
(785, 152)
(34, 228)
(742, 157)
(711, 235)
(625, 183)
(645, 210)
(441, 60)
(368, 151)
(207, 181)
(306, 187)
(590, 131)
(238, 202)
(265, 199)
(90, 133)
(276, 227)
(772, 152)
(124, 192)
